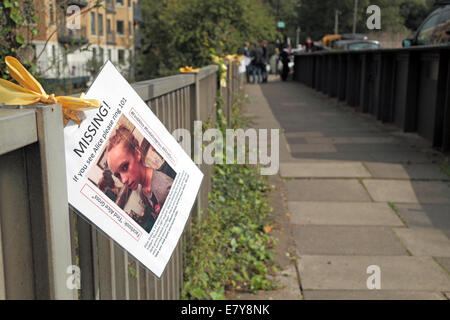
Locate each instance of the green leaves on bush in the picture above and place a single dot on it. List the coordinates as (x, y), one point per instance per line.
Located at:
(229, 248)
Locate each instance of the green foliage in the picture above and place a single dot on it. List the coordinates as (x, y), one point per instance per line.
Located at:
(445, 167)
(177, 33)
(229, 248)
(317, 18)
(415, 11)
(15, 23)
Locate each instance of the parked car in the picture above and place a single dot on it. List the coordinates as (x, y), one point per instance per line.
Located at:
(356, 44)
(435, 29)
(330, 39)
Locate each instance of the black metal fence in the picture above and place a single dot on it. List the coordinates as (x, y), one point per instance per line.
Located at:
(409, 87)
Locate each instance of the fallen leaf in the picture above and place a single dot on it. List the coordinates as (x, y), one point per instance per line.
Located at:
(267, 228)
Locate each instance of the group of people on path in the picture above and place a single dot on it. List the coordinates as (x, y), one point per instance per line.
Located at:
(256, 61)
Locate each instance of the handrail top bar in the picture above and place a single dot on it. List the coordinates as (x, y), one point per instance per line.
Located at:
(382, 50)
(9, 113)
(150, 89)
(17, 128)
(206, 71)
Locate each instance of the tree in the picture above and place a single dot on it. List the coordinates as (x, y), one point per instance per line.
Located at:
(317, 17)
(176, 33)
(15, 28)
(415, 11)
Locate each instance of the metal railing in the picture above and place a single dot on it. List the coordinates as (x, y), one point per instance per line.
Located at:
(40, 237)
(409, 87)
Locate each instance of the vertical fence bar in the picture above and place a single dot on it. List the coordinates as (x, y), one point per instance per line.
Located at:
(86, 259)
(120, 272)
(107, 287)
(364, 84)
(441, 93)
(446, 129)
(17, 247)
(2, 269)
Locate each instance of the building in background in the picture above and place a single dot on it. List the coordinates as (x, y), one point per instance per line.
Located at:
(107, 30)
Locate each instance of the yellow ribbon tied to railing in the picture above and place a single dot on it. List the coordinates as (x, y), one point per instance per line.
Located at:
(32, 92)
(189, 69)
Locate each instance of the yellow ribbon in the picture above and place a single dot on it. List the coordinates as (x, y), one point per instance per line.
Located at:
(32, 92)
(189, 69)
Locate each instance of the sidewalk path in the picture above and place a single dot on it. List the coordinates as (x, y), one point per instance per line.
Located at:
(359, 193)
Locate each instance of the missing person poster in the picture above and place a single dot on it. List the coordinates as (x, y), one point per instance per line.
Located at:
(127, 174)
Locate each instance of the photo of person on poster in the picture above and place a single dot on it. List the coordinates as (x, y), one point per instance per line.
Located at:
(144, 176)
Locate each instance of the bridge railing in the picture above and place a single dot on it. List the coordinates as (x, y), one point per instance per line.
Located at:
(41, 238)
(409, 87)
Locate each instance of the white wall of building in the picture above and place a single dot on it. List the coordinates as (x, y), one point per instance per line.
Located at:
(55, 63)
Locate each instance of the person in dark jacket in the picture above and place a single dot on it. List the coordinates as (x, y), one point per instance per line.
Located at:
(284, 57)
(265, 50)
(257, 61)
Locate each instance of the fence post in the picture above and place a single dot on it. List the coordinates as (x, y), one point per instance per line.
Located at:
(229, 89)
(48, 201)
(195, 115)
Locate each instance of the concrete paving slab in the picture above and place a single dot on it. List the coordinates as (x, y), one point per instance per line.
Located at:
(408, 191)
(360, 133)
(312, 148)
(400, 157)
(343, 213)
(445, 263)
(296, 141)
(371, 148)
(350, 273)
(406, 171)
(347, 240)
(347, 140)
(303, 134)
(426, 215)
(338, 169)
(371, 295)
(424, 241)
(333, 156)
(326, 190)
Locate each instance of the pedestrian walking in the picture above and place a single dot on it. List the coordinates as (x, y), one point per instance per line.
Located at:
(247, 60)
(285, 59)
(265, 72)
(257, 61)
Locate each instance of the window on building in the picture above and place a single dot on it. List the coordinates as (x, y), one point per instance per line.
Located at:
(28, 11)
(100, 24)
(92, 23)
(130, 31)
(101, 54)
(129, 3)
(121, 53)
(119, 3)
(53, 53)
(108, 26)
(52, 15)
(120, 27)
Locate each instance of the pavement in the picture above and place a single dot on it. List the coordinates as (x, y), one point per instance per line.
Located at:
(364, 207)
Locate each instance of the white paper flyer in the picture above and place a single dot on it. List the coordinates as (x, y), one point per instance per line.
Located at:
(127, 174)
